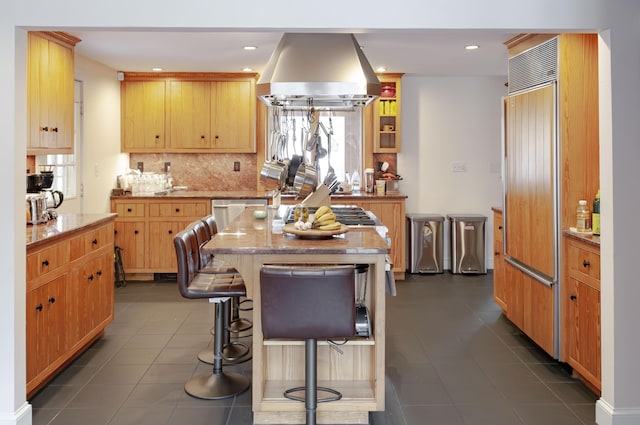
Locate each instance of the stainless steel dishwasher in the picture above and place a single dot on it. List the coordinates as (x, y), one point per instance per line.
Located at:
(225, 210)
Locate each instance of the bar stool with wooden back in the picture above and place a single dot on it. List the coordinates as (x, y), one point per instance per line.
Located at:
(194, 285)
(309, 303)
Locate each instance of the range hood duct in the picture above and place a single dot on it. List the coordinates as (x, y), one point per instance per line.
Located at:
(318, 71)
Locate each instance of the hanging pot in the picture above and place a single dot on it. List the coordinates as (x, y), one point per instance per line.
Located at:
(274, 175)
(293, 168)
(305, 180)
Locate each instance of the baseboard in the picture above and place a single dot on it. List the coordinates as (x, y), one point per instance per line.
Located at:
(609, 415)
(22, 416)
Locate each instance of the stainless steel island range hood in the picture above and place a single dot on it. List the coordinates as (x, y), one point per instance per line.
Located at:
(321, 71)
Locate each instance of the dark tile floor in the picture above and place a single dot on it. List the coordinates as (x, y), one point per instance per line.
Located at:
(452, 359)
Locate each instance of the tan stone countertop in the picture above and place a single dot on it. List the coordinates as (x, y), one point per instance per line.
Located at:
(64, 225)
(248, 235)
(248, 194)
(589, 238)
(205, 194)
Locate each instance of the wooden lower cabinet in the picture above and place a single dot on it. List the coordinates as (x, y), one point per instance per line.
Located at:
(581, 344)
(69, 299)
(392, 213)
(145, 228)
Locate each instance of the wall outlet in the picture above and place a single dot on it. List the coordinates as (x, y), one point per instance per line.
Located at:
(458, 167)
(167, 167)
(236, 166)
(141, 166)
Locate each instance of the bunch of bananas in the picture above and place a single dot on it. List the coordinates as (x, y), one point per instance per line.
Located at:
(325, 219)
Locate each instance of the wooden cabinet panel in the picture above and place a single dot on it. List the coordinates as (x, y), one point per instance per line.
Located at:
(393, 215)
(50, 93)
(46, 325)
(143, 109)
(130, 209)
(130, 238)
(189, 114)
(162, 254)
(47, 260)
(233, 108)
(499, 283)
(387, 115)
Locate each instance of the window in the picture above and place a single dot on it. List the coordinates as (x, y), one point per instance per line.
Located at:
(290, 133)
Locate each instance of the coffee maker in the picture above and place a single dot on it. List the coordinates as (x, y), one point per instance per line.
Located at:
(40, 184)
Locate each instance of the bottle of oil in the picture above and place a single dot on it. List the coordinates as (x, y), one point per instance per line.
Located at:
(583, 217)
(595, 215)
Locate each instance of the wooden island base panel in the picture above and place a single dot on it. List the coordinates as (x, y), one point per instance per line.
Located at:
(70, 288)
(359, 372)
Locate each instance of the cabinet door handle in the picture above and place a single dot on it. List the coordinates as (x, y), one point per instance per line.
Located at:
(170, 232)
(217, 137)
(90, 278)
(135, 232)
(202, 137)
(45, 263)
(94, 242)
(99, 272)
(55, 129)
(586, 263)
(39, 307)
(128, 209)
(497, 253)
(177, 210)
(45, 128)
(52, 300)
(499, 227)
(157, 136)
(115, 232)
(573, 297)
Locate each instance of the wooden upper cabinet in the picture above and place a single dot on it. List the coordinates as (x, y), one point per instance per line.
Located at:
(142, 109)
(198, 112)
(233, 109)
(50, 75)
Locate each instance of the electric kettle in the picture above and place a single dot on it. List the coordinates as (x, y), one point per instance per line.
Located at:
(53, 198)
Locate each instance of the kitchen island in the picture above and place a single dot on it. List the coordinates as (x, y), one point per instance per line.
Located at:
(358, 372)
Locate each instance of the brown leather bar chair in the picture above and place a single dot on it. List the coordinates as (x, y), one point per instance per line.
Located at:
(232, 352)
(238, 324)
(194, 285)
(310, 303)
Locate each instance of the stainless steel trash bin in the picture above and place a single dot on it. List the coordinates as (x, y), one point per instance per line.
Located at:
(424, 243)
(468, 243)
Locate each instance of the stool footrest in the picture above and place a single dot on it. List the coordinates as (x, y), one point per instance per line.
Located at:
(337, 395)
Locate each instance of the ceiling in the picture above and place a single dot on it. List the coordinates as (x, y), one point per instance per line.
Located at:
(426, 52)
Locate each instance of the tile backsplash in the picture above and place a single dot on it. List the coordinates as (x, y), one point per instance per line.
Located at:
(203, 171)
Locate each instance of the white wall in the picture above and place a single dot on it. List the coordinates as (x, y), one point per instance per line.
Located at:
(447, 120)
(101, 158)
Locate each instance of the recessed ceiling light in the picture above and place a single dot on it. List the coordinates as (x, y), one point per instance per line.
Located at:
(472, 47)
(156, 69)
(247, 69)
(381, 69)
(249, 47)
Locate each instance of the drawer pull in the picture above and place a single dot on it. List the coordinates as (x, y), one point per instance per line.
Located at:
(573, 297)
(45, 263)
(94, 242)
(170, 232)
(129, 210)
(52, 300)
(99, 272)
(54, 129)
(135, 232)
(499, 227)
(586, 263)
(39, 307)
(497, 253)
(177, 210)
(45, 128)
(157, 136)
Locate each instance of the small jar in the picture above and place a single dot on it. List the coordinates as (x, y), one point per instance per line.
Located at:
(301, 213)
(368, 180)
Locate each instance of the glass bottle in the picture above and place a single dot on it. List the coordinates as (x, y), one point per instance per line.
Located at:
(583, 217)
(355, 181)
(595, 215)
